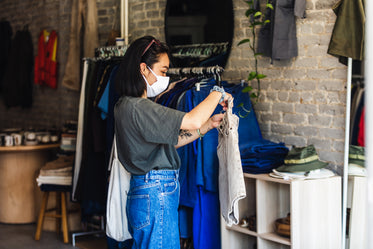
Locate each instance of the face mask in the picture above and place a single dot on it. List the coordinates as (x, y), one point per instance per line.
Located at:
(159, 86)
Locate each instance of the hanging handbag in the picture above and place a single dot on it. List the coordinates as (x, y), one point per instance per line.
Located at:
(119, 183)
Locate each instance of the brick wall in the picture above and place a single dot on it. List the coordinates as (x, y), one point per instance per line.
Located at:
(147, 18)
(302, 100)
(51, 107)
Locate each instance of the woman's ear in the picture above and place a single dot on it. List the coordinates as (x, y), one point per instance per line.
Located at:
(143, 68)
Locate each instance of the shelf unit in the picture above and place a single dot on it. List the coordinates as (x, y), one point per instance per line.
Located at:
(356, 202)
(314, 205)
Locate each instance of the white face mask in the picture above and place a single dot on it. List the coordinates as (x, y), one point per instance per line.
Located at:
(159, 86)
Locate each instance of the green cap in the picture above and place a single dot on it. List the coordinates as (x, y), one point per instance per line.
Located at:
(356, 155)
(302, 159)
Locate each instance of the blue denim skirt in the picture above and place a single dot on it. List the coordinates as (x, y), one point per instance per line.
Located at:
(152, 210)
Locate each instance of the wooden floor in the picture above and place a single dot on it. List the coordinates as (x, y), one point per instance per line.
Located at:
(22, 237)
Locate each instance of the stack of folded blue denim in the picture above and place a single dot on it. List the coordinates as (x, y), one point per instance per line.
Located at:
(261, 155)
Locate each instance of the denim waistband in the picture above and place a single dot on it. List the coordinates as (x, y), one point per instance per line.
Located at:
(158, 174)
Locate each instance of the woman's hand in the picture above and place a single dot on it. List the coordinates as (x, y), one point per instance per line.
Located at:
(213, 122)
(216, 120)
(224, 103)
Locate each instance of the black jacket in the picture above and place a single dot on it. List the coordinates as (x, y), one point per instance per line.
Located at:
(18, 77)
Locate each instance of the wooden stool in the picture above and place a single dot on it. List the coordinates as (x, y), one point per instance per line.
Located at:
(61, 211)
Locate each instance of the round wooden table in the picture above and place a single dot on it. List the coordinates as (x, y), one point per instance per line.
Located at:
(19, 193)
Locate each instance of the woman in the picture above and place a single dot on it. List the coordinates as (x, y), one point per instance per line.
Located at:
(148, 135)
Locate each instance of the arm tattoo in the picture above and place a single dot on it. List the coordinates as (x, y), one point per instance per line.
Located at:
(185, 134)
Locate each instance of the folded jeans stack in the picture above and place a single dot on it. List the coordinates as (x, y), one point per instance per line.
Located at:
(261, 156)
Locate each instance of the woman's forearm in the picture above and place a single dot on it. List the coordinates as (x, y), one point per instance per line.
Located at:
(188, 136)
(201, 113)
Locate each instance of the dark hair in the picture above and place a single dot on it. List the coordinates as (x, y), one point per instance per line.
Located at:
(129, 80)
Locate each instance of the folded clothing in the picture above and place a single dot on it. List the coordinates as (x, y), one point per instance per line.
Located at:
(356, 170)
(313, 174)
(261, 155)
(60, 162)
(58, 172)
(66, 171)
(261, 170)
(56, 180)
(262, 147)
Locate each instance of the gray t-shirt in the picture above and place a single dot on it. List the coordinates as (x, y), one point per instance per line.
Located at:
(146, 134)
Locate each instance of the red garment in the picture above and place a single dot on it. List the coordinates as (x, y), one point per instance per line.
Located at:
(45, 69)
(361, 134)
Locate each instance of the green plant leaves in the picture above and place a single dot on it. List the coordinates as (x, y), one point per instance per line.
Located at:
(247, 89)
(243, 41)
(254, 96)
(257, 14)
(256, 18)
(250, 12)
(260, 76)
(270, 6)
(252, 76)
(255, 75)
(255, 24)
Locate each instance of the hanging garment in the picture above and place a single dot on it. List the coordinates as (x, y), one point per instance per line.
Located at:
(356, 93)
(95, 135)
(45, 70)
(207, 160)
(92, 181)
(188, 157)
(199, 161)
(83, 14)
(278, 38)
(206, 221)
(231, 181)
(17, 81)
(347, 39)
(79, 140)
(5, 42)
(361, 135)
(356, 120)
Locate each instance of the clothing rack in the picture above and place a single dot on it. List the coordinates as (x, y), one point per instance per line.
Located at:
(214, 71)
(202, 51)
(110, 51)
(357, 80)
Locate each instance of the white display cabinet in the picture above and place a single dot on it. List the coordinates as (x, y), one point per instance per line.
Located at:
(356, 202)
(314, 205)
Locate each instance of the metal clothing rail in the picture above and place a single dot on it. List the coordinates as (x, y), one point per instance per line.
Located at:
(203, 50)
(214, 71)
(346, 152)
(201, 45)
(110, 51)
(100, 230)
(185, 71)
